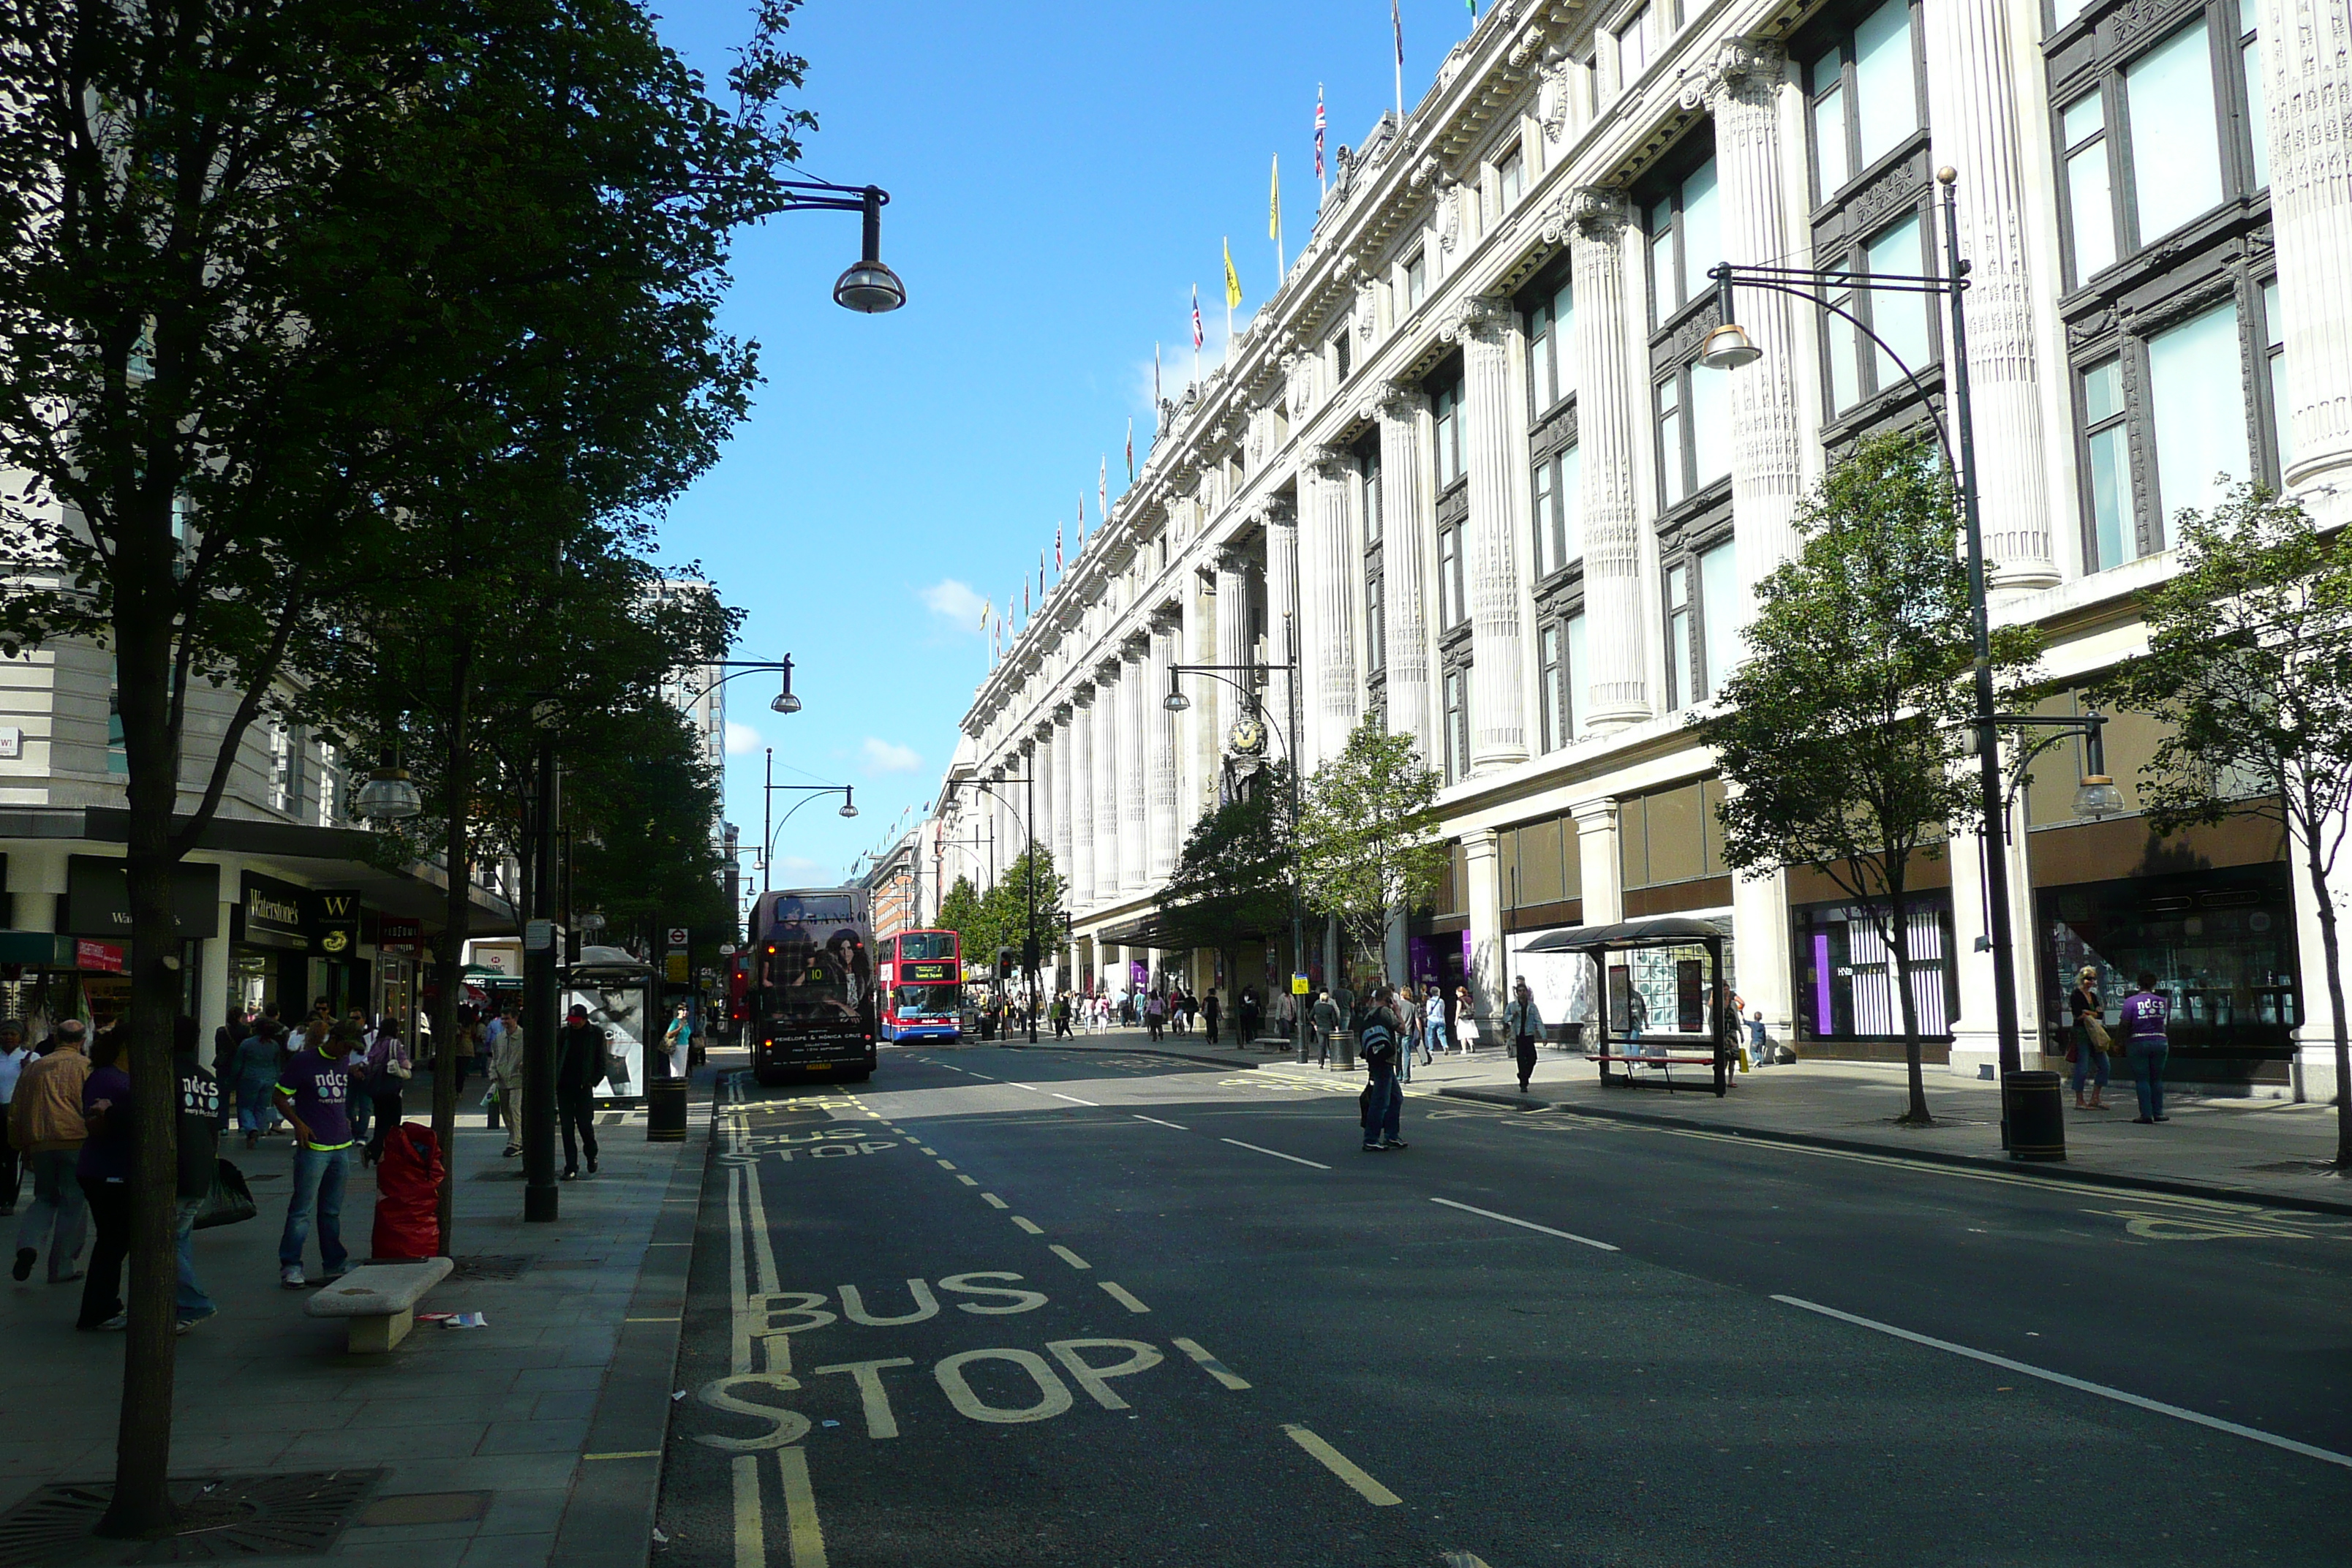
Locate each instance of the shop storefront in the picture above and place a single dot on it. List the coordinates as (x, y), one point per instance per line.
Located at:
(269, 950)
(1847, 994)
(96, 913)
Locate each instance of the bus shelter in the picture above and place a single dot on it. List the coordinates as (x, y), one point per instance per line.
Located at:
(621, 994)
(1664, 969)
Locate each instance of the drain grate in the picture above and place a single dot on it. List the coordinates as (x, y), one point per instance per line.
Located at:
(224, 1519)
(491, 1267)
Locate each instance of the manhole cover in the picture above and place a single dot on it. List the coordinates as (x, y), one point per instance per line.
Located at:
(490, 1267)
(227, 1518)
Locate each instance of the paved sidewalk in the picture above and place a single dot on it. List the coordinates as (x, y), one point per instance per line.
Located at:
(2258, 1150)
(534, 1439)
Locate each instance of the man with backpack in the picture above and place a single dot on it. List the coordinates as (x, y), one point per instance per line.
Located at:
(1384, 1098)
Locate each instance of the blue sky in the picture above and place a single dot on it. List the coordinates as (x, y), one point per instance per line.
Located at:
(1061, 175)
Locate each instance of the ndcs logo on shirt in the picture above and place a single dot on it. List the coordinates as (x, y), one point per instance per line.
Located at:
(199, 1096)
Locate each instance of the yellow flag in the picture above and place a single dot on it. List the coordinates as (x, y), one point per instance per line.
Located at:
(1274, 202)
(1233, 278)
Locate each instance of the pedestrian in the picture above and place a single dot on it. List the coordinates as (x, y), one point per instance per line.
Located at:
(1462, 1020)
(363, 1097)
(1524, 1024)
(258, 1063)
(104, 1168)
(1383, 1097)
(579, 1069)
(2146, 1014)
(1211, 1010)
(1249, 1016)
(2088, 1051)
(507, 1073)
(226, 1039)
(461, 1054)
(1324, 1023)
(1155, 1014)
(1417, 1003)
(388, 1067)
(314, 1094)
(45, 1124)
(15, 1055)
(198, 1144)
(1759, 1044)
(1062, 1015)
(678, 1038)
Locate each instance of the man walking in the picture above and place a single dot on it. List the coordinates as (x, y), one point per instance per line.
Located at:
(1525, 1025)
(104, 1168)
(579, 1069)
(507, 1067)
(45, 1124)
(15, 1057)
(1384, 1096)
(314, 1094)
(2145, 1015)
(1211, 1010)
(1324, 1022)
(1248, 1016)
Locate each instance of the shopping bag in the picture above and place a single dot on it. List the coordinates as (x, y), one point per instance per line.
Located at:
(229, 1201)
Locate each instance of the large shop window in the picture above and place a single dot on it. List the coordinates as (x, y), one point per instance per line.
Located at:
(2156, 135)
(1864, 95)
(1672, 836)
(1686, 238)
(1847, 979)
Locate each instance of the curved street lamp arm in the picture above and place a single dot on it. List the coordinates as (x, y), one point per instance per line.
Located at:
(1728, 276)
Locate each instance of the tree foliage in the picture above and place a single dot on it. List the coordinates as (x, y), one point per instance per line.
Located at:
(1233, 880)
(1844, 734)
(1000, 917)
(2249, 669)
(1369, 843)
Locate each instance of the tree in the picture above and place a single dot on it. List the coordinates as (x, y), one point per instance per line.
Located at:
(960, 912)
(1233, 877)
(272, 271)
(2249, 668)
(999, 918)
(1845, 733)
(1367, 834)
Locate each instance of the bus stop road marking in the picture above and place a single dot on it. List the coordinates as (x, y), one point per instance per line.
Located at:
(1210, 1363)
(1067, 1256)
(1120, 1294)
(993, 1201)
(1346, 1468)
(1275, 1152)
(1526, 1225)
(1031, 1225)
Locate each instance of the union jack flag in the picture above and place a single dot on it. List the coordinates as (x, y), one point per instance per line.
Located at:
(1319, 129)
(1197, 338)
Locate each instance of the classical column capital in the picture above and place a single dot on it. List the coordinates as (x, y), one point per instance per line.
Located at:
(1107, 674)
(1600, 212)
(1327, 462)
(1277, 511)
(1478, 317)
(1235, 561)
(1395, 400)
(1063, 711)
(1135, 648)
(1746, 69)
(1166, 618)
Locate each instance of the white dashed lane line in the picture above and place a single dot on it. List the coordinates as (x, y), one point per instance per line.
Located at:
(1275, 1152)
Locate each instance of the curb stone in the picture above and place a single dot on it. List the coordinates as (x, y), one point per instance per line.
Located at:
(2056, 1170)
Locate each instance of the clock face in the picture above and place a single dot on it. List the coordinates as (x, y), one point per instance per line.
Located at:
(1247, 735)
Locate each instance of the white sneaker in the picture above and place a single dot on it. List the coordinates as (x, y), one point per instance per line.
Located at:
(291, 1277)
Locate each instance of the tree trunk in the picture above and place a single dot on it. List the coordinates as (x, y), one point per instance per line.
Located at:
(2331, 946)
(449, 953)
(1898, 947)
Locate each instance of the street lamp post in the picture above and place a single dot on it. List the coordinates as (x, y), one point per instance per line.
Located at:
(867, 286)
(1029, 836)
(1258, 675)
(770, 788)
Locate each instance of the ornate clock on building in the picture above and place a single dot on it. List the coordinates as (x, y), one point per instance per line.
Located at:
(1248, 737)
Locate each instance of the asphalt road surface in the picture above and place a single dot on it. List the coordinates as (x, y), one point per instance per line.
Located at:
(1040, 1307)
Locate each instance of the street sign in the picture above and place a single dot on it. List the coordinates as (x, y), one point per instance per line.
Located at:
(677, 936)
(1298, 986)
(538, 936)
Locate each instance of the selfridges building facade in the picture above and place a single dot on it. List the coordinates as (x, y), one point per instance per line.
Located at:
(1466, 463)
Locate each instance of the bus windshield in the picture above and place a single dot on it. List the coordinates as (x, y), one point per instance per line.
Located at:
(914, 1001)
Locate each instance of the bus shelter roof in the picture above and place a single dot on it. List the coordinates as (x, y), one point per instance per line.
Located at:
(1656, 931)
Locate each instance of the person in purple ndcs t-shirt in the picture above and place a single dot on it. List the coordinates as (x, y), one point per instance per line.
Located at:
(2144, 1016)
(314, 1093)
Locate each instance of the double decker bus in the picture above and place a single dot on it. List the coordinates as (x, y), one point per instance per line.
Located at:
(921, 978)
(809, 994)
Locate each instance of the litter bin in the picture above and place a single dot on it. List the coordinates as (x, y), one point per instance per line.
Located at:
(1343, 1046)
(2037, 1116)
(665, 1111)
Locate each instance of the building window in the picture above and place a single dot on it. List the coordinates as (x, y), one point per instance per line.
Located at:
(2155, 140)
(1509, 179)
(2275, 355)
(1376, 626)
(2197, 408)
(1371, 465)
(2106, 466)
(1445, 407)
(1679, 690)
(1457, 723)
(1693, 432)
(1552, 351)
(1551, 659)
(1572, 702)
(1861, 369)
(1556, 478)
(1702, 623)
(1637, 43)
(1339, 356)
(1416, 280)
(1452, 605)
(1686, 238)
(1718, 613)
(1864, 94)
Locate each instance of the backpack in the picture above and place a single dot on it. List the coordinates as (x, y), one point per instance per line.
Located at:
(1379, 1037)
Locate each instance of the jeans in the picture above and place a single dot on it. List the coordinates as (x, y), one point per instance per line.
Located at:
(1527, 1059)
(318, 1182)
(256, 1112)
(1380, 1114)
(101, 1288)
(2088, 1059)
(2147, 1058)
(359, 1104)
(191, 1301)
(57, 1218)
(575, 1112)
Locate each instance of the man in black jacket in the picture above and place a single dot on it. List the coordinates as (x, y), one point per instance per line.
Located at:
(579, 1069)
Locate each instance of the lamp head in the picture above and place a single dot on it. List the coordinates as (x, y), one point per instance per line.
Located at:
(388, 796)
(1728, 347)
(785, 701)
(869, 288)
(848, 804)
(1176, 702)
(2097, 796)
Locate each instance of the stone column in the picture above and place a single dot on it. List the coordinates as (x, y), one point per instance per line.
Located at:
(1602, 887)
(1134, 800)
(1972, 87)
(2308, 58)
(1333, 566)
(1498, 719)
(1065, 741)
(1976, 1040)
(1192, 752)
(1108, 699)
(1742, 89)
(1483, 898)
(1159, 750)
(1608, 415)
(1406, 532)
(1084, 705)
(1281, 599)
(1035, 801)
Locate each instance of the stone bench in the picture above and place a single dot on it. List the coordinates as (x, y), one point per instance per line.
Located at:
(380, 1300)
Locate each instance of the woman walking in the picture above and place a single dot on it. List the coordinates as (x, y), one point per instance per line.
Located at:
(1524, 1025)
(2090, 1036)
(1433, 1021)
(257, 1060)
(388, 1070)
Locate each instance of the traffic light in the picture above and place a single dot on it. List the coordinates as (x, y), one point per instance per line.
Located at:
(1004, 964)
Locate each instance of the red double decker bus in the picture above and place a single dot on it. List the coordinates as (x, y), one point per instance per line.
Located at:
(922, 983)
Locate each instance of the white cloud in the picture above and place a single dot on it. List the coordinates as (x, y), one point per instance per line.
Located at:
(890, 757)
(742, 740)
(955, 604)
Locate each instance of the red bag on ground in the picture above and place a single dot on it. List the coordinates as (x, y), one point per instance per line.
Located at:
(408, 1194)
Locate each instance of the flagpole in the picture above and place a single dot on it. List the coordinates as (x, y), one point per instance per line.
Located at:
(1396, 21)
